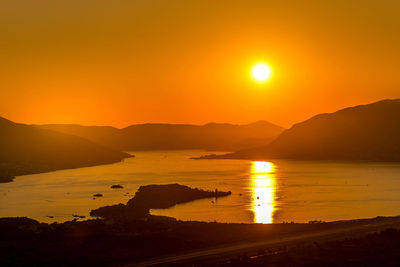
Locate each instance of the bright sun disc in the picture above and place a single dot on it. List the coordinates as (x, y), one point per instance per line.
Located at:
(261, 72)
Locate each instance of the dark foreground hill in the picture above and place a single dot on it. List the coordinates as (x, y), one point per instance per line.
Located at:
(26, 149)
(368, 132)
(167, 242)
(212, 136)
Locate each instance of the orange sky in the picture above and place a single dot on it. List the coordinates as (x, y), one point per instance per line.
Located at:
(121, 62)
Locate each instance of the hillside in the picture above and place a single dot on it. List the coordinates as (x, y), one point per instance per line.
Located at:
(212, 136)
(26, 149)
(367, 132)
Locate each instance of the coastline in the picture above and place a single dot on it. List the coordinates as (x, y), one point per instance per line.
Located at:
(11, 175)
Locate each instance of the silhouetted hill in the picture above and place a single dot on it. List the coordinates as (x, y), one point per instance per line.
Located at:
(366, 132)
(212, 136)
(26, 149)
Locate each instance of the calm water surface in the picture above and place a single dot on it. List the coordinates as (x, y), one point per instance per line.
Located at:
(262, 192)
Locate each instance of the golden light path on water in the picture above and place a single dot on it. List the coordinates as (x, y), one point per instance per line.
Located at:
(263, 186)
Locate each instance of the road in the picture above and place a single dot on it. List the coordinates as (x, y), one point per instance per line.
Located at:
(237, 249)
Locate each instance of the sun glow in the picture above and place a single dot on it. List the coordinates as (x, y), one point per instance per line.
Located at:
(261, 72)
(262, 167)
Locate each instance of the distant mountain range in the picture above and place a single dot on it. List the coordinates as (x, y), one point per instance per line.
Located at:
(212, 136)
(26, 149)
(367, 132)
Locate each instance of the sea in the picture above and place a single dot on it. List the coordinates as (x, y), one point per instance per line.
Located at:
(273, 191)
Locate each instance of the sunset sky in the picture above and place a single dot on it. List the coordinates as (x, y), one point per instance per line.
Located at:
(124, 62)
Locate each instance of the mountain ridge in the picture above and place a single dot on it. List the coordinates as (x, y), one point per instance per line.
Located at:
(155, 136)
(363, 132)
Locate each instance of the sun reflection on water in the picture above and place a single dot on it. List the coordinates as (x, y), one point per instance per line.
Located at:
(263, 186)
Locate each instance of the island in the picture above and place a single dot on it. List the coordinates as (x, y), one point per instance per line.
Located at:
(154, 197)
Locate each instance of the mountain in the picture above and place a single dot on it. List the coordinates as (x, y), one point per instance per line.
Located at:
(26, 149)
(366, 132)
(212, 136)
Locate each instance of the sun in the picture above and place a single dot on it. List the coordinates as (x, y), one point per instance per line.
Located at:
(261, 72)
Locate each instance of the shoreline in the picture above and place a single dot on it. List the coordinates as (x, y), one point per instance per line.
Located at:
(10, 178)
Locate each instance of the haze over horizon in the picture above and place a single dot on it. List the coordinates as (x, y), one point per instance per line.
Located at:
(199, 133)
(125, 62)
